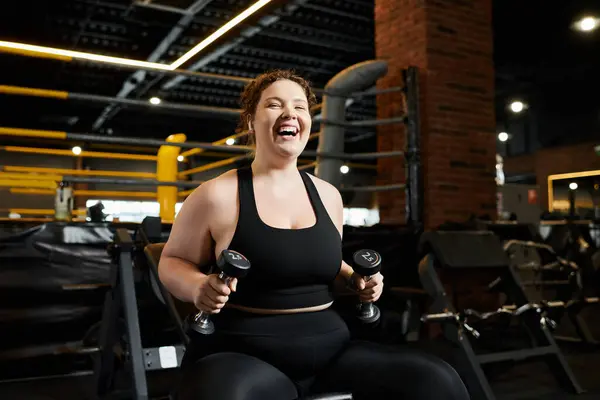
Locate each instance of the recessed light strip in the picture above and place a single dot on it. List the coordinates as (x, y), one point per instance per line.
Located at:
(47, 52)
(68, 55)
(220, 32)
(81, 55)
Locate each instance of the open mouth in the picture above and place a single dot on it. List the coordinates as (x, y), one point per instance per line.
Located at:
(287, 131)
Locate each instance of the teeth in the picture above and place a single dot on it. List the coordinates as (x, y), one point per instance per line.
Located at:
(288, 130)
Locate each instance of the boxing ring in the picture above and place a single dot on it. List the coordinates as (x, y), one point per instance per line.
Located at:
(355, 82)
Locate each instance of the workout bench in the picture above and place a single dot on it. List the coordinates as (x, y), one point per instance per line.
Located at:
(121, 300)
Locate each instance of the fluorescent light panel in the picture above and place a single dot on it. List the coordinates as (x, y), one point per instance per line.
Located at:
(137, 63)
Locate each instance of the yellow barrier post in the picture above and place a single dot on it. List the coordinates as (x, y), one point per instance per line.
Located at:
(166, 171)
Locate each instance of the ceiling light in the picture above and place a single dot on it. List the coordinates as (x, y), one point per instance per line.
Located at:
(180, 158)
(81, 55)
(587, 24)
(76, 150)
(573, 186)
(230, 142)
(344, 169)
(23, 48)
(503, 136)
(517, 106)
(155, 101)
(219, 32)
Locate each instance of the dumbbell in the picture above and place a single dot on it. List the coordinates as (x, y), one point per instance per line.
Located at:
(367, 263)
(230, 265)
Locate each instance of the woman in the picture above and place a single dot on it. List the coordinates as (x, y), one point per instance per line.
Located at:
(275, 326)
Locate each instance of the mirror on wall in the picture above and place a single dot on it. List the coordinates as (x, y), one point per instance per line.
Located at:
(581, 189)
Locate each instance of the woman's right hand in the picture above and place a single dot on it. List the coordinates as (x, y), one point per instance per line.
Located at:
(212, 293)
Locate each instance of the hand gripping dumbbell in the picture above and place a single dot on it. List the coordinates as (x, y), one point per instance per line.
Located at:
(230, 264)
(367, 263)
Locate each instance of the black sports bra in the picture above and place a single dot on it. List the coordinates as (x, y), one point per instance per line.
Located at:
(291, 268)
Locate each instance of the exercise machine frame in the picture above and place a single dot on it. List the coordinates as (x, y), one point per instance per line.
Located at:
(477, 250)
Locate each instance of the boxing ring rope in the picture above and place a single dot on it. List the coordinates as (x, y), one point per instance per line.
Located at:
(86, 192)
(67, 171)
(337, 92)
(226, 161)
(164, 107)
(92, 138)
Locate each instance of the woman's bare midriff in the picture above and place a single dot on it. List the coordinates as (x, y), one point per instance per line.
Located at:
(275, 311)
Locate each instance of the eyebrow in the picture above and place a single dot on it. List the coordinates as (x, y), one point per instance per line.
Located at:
(279, 99)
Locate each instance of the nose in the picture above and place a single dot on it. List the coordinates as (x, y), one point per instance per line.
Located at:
(289, 112)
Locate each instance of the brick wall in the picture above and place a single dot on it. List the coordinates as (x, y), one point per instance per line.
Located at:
(518, 165)
(450, 41)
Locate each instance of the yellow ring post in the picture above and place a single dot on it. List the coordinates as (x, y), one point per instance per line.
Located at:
(166, 171)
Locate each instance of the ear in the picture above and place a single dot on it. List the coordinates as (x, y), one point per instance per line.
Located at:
(250, 124)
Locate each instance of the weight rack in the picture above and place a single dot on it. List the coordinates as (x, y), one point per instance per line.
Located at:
(471, 250)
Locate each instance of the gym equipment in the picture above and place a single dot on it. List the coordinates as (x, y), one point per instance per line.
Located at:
(367, 263)
(230, 264)
(151, 236)
(121, 326)
(528, 254)
(481, 251)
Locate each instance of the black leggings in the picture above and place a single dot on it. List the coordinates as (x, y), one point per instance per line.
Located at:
(255, 362)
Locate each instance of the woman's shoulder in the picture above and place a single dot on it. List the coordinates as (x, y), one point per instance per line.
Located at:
(326, 190)
(217, 190)
(330, 197)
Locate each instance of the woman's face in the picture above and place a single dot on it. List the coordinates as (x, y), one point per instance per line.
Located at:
(282, 120)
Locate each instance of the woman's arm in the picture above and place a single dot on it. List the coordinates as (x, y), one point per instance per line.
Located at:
(347, 281)
(189, 247)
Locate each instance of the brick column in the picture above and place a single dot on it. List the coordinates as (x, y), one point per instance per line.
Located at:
(450, 41)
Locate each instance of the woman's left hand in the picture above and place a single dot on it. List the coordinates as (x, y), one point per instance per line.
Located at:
(368, 291)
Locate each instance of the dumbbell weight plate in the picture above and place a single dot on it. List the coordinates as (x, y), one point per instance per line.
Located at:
(366, 262)
(233, 264)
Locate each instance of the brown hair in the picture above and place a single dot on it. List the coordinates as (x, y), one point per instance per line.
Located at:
(251, 95)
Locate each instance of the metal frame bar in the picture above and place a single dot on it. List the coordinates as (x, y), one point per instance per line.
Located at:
(475, 378)
(139, 77)
(378, 188)
(136, 182)
(128, 293)
(414, 187)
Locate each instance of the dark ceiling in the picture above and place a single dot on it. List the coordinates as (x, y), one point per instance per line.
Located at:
(538, 58)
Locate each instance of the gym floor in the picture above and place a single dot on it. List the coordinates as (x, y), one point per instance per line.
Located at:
(524, 382)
